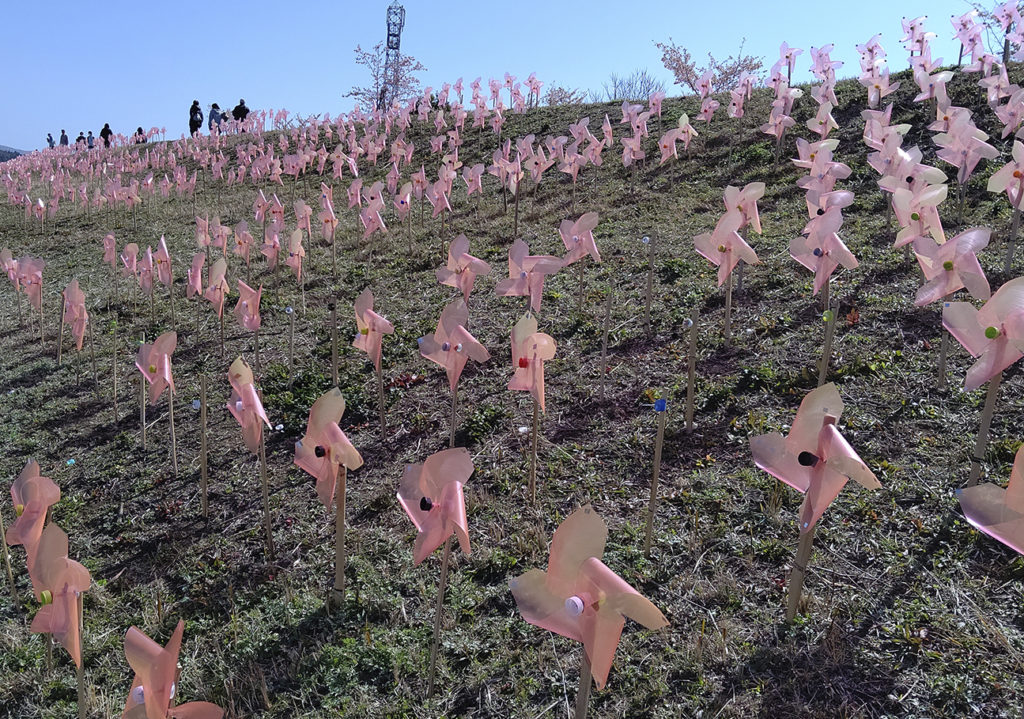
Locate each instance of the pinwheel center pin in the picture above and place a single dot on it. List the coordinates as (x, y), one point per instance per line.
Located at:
(820, 212)
(910, 179)
(364, 331)
(152, 369)
(19, 509)
(574, 606)
(722, 248)
(817, 252)
(807, 459)
(46, 597)
(319, 451)
(914, 216)
(947, 265)
(1017, 174)
(426, 504)
(991, 332)
(523, 362)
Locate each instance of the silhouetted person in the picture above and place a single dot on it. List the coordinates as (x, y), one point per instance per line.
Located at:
(240, 112)
(49, 141)
(63, 138)
(106, 133)
(215, 117)
(80, 140)
(90, 140)
(195, 118)
(140, 136)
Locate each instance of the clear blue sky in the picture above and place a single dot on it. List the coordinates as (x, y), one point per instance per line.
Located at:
(142, 63)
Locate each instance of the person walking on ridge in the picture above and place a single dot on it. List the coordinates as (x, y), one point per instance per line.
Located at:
(195, 118)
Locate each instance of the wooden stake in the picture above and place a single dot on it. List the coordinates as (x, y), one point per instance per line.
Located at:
(604, 340)
(340, 555)
(7, 558)
(291, 344)
(80, 669)
(257, 351)
(222, 333)
(533, 454)
(727, 329)
(266, 493)
(92, 357)
(583, 693)
(691, 373)
(113, 372)
(60, 334)
(650, 284)
(142, 408)
(441, 585)
(203, 478)
(826, 353)
(986, 423)
(380, 403)
(455, 402)
(334, 345)
(1014, 227)
(796, 577)
(170, 296)
(662, 410)
(174, 439)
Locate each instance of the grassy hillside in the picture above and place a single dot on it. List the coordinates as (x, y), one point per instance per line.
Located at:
(910, 611)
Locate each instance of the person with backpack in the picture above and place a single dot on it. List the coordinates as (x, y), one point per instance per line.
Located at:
(106, 133)
(215, 118)
(240, 112)
(195, 118)
(49, 141)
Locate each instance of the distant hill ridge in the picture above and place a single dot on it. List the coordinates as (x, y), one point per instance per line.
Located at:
(9, 153)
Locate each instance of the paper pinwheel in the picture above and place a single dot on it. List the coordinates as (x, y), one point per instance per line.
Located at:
(431, 494)
(156, 680)
(33, 495)
(815, 458)
(247, 310)
(324, 447)
(952, 266)
(526, 274)
(295, 253)
(58, 582)
(154, 361)
(725, 247)
(462, 267)
(579, 597)
(994, 334)
(245, 405)
(75, 315)
(451, 345)
(578, 238)
(996, 511)
(217, 287)
(530, 349)
(195, 275)
(372, 328)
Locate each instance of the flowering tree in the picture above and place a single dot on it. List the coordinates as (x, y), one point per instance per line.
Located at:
(408, 85)
(724, 73)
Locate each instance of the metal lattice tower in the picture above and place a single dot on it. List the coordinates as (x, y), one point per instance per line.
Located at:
(396, 21)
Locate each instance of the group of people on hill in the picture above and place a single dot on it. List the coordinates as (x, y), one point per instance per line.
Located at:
(83, 141)
(217, 116)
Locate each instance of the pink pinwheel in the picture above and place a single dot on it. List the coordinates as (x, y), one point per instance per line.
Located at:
(579, 597)
(371, 218)
(822, 123)
(303, 213)
(295, 253)
(462, 267)
(1010, 177)
(75, 315)
(451, 345)
(530, 349)
(578, 238)
(110, 250)
(815, 458)
(146, 272)
(32, 495)
(431, 494)
(994, 334)
(162, 261)
(822, 251)
(371, 328)
(996, 511)
(324, 448)
(472, 177)
(964, 146)
(202, 232)
(195, 275)
(243, 241)
(156, 680)
(217, 287)
(271, 248)
(247, 310)
(355, 193)
(725, 247)
(58, 581)
(527, 273)
(154, 361)
(328, 223)
(952, 266)
(667, 144)
(918, 213)
(130, 260)
(30, 277)
(632, 150)
(245, 405)
(707, 109)
(745, 202)
(403, 201)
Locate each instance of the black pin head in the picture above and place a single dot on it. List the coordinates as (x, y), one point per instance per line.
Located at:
(807, 459)
(319, 451)
(425, 504)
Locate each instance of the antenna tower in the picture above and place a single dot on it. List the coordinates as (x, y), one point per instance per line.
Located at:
(392, 60)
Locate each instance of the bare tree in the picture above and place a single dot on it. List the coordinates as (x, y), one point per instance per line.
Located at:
(724, 73)
(636, 87)
(373, 60)
(558, 95)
